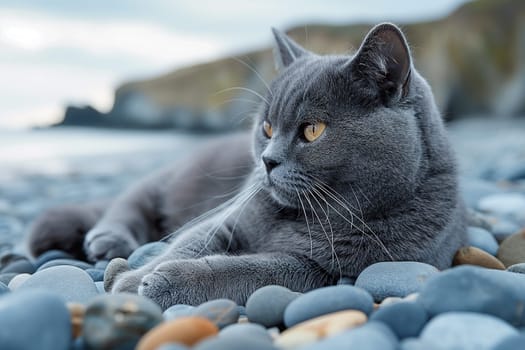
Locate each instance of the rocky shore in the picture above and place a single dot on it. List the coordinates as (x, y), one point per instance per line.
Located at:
(56, 302)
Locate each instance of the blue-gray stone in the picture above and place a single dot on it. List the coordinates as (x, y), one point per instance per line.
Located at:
(63, 262)
(118, 321)
(100, 287)
(250, 330)
(346, 280)
(96, 274)
(6, 258)
(394, 279)
(145, 253)
(506, 205)
(34, 319)
(172, 346)
(405, 319)
(70, 282)
(504, 229)
(19, 266)
(476, 289)
(242, 310)
(102, 264)
(417, 344)
(517, 268)
(79, 344)
(178, 311)
(512, 342)
(371, 336)
(326, 300)
(51, 255)
(473, 189)
(222, 312)
(228, 343)
(267, 304)
(483, 240)
(466, 331)
(3, 288)
(5, 278)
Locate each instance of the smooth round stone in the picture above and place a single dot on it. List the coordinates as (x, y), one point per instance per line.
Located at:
(3, 288)
(69, 262)
(250, 330)
(34, 319)
(96, 274)
(145, 253)
(346, 280)
(173, 346)
(19, 266)
(313, 330)
(473, 189)
(118, 321)
(267, 304)
(5, 278)
(188, 331)
(405, 319)
(18, 280)
(115, 267)
(100, 287)
(70, 282)
(178, 311)
(477, 257)
(417, 344)
(482, 239)
(327, 300)
(517, 268)
(8, 258)
(394, 279)
(242, 343)
(477, 219)
(222, 312)
(475, 289)
(466, 331)
(512, 342)
(371, 336)
(101, 264)
(511, 205)
(512, 250)
(504, 229)
(51, 255)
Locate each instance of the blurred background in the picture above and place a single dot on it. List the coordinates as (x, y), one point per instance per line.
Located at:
(94, 94)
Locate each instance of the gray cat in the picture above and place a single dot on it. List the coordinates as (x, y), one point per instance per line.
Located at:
(350, 166)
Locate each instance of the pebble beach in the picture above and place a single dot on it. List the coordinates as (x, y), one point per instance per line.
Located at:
(53, 302)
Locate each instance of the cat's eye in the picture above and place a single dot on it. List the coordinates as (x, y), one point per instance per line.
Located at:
(313, 131)
(267, 127)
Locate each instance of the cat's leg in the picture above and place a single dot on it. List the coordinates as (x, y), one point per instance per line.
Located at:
(64, 228)
(234, 277)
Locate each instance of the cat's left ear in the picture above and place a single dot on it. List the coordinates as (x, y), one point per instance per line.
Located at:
(384, 60)
(286, 50)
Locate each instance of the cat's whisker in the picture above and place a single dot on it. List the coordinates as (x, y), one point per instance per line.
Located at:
(244, 89)
(241, 210)
(307, 224)
(250, 67)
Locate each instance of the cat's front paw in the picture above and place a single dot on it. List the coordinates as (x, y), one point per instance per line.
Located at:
(177, 282)
(106, 243)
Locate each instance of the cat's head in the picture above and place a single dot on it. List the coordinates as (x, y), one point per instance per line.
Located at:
(341, 123)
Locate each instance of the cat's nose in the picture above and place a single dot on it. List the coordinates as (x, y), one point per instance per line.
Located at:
(270, 164)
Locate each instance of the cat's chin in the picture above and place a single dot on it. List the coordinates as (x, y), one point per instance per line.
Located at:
(283, 198)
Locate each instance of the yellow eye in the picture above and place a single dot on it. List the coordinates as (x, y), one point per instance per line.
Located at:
(313, 131)
(267, 127)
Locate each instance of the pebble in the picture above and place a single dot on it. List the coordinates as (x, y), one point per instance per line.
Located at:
(509, 205)
(18, 280)
(318, 328)
(482, 239)
(475, 289)
(222, 312)
(473, 189)
(19, 266)
(70, 282)
(173, 346)
(478, 257)
(517, 268)
(250, 330)
(96, 275)
(115, 267)
(267, 304)
(77, 312)
(371, 336)
(178, 311)
(145, 253)
(101, 264)
(3, 288)
(394, 279)
(188, 331)
(466, 331)
(241, 343)
(51, 255)
(417, 344)
(5, 278)
(511, 342)
(405, 319)
(327, 300)
(69, 262)
(34, 318)
(512, 250)
(118, 321)
(6, 258)
(503, 229)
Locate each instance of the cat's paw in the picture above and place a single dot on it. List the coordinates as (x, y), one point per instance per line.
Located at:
(177, 282)
(106, 243)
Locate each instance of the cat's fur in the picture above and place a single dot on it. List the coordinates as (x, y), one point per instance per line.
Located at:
(379, 184)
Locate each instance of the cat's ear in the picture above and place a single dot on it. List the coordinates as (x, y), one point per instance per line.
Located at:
(384, 59)
(286, 50)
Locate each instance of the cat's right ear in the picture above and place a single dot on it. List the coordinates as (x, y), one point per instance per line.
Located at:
(286, 50)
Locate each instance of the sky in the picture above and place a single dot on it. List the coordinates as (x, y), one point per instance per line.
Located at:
(59, 52)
